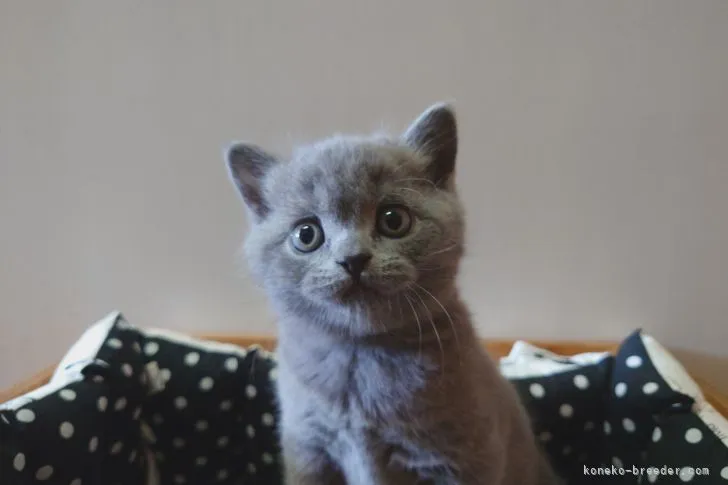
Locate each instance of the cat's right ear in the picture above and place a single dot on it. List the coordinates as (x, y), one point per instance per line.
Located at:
(248, 165)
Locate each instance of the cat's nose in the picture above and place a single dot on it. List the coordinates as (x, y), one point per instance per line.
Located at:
(354, 265)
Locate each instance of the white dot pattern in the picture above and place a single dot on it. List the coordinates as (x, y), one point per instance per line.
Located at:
(206, 383)
(44, 473)
(620, 390)
(686, 474)
(629, 425)
(693, 436)
(581, 381)
(650, 388)
(114, 343)
(66, 430)
(127, 369)
(201, 425)
(120, 404)
(19, 462)
(634, 361)
(25, 416)
(231, 364)
(151, 348)
(566, 411)
(192, 359)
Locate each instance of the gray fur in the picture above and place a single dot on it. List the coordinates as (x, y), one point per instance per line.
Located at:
(388, 385)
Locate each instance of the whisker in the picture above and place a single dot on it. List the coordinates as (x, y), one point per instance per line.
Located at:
(416, 179)
(434, 328)
(444, 250)
(419, 326)
(449, 317)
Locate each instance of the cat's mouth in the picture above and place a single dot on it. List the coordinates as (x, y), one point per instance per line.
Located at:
(364, 289)
(368, 289)
(358, 289)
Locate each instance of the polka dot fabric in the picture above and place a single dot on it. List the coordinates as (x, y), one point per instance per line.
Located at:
(212, 418)
(566, 408)
(639, 397)
(79, 429)
(686, 443)
(132, 406)
(637, 385)
(665, 422)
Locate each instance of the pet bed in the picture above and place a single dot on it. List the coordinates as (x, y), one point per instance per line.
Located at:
(132, 406)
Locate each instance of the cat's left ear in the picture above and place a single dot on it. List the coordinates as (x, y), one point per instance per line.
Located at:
(248, 165)
(434, 133)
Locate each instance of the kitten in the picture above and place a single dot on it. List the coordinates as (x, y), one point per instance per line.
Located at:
(382, 380)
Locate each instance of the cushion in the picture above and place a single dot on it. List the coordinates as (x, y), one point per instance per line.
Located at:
(681, 438)
(82, 427)
(210, 415)
(133, 406)
(564, 397)
(128, 405)
(639, 395)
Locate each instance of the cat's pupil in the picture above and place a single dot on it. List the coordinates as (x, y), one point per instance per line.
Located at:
(393, 219)
(307, 234)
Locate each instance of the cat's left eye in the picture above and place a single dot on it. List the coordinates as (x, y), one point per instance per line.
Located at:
(394, 221)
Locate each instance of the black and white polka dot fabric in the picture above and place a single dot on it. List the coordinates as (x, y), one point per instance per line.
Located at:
(638, 396)
(638, 411)
(210, 417)
(128, 406)
(565, 399)
(661, 421)
(82, 427)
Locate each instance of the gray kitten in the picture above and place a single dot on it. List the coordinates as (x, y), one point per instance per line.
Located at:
(382, 380)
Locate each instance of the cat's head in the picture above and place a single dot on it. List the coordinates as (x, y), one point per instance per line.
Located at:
(355, 232)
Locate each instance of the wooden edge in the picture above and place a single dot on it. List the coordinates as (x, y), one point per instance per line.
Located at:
(26, 385)
(497, 348)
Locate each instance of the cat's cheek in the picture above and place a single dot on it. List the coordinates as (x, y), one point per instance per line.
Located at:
(393, 276)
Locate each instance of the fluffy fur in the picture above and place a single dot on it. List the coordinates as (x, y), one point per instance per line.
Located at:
(382, 379)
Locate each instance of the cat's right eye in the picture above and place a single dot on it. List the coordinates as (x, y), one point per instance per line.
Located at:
(307, 236)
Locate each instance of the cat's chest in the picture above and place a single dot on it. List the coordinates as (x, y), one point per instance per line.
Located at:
(354, 387)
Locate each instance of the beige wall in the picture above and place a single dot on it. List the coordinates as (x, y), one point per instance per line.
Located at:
(594, 155)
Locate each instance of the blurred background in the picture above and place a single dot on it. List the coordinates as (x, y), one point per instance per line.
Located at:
(593, 162)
